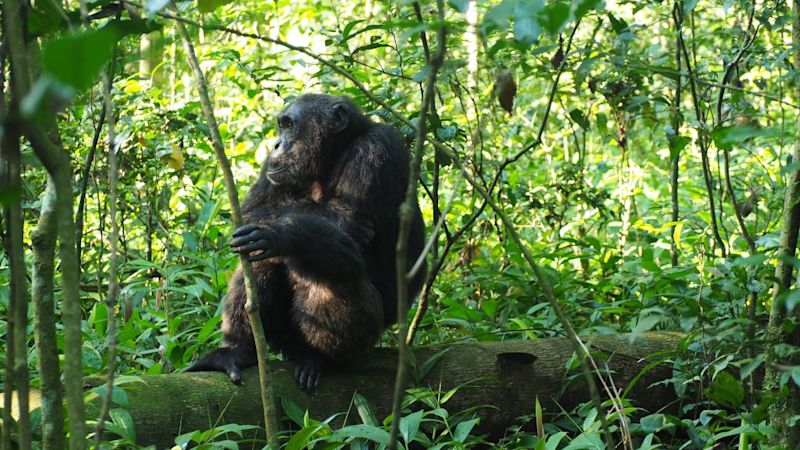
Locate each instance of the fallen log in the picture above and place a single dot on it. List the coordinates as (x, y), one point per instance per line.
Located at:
(503, 378)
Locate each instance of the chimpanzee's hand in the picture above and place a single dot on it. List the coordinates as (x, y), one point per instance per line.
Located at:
(255, 242)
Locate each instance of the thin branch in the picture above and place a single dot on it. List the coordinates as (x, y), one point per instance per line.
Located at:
(677, 120)
(422, 306)
(87, 168)
(113, 244)
(701, 140)
(271, 426)
(408, 209)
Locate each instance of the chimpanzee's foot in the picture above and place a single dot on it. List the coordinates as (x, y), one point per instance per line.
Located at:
(230, 360)
(308, 371)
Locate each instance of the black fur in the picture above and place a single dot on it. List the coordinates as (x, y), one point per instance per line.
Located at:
(321, 232)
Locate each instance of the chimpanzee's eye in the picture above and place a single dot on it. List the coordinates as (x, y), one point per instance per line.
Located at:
(285, 123)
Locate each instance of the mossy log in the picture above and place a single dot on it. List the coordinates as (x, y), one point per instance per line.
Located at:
(502, 379)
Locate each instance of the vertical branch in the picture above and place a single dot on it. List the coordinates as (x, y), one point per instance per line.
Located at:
(58, 166)
(252, 306)
(87, 168)
(726, 77)
(439, 260)
(113, 244)
(8, 384)
(17, 340)
(787, 404)
(701, 141)
(406, 214)
(44, 319)
(18, 292)
(580, 348)
(676, 126)
(7, 140)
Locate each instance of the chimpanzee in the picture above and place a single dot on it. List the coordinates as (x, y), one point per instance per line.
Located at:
(321, 229)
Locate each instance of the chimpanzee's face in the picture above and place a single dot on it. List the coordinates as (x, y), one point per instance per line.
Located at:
(292, 160)
(306, 128)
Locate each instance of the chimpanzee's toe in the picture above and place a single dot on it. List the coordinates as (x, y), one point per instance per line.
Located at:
(308, 372)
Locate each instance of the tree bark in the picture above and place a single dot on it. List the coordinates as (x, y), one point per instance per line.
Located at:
(502, 379)
(44, 321)
(787, 404)
(17, 312)
(59, 167)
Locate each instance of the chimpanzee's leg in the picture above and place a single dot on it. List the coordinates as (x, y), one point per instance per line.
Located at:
(338, 322)
(238, 348)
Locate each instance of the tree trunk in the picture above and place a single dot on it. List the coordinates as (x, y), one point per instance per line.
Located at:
(787, 403)
(44, 320)
(508, 376)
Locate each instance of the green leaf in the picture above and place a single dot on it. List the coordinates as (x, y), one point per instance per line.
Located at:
(123, 419)
(9, 195)
(652, 423)
(349, 27)
(208, 329)
(728, 137)
(368, 432)
(527, 29)
(586, 441)
(748, 368)
(364, 410)
(369, 47)
(792, 299)
(75, 60)
(430, 363)
(676, 144)
(554, 440)
(292, 411)
(619, 25)
(602, 122)
(726, 390)
(207, 6)
(409, 425)
(45, 18)
(98, 318)
(645, 323)
(459, 5)
(301, 439)
(582, 7)
(463, 429)
(553, 17)
(135, 26)
(580, 118)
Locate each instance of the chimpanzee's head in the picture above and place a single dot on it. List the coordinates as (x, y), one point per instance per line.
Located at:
(314, 130)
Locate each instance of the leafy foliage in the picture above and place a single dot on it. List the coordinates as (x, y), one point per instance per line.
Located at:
(590, 194)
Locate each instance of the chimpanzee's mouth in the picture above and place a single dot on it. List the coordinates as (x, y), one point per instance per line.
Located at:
(275, 175)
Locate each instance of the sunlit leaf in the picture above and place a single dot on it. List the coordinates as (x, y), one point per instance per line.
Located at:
(207, 6)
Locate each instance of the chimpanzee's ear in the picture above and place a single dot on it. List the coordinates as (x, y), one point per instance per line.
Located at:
(341, 118)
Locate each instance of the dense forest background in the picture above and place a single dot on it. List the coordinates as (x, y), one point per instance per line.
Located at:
(588, 168)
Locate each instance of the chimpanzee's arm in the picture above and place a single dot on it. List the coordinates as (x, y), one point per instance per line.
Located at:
(310, 239)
